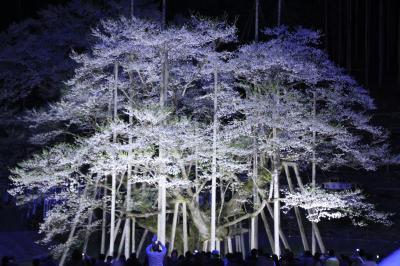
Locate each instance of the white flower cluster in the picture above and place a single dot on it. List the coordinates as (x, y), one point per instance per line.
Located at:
(323, 204)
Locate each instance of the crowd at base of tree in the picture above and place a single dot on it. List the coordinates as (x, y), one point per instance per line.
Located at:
(196, 258)
(161, 124)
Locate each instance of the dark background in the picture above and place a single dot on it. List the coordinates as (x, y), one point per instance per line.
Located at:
(360, 35)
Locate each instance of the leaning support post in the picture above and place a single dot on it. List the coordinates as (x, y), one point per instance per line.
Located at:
(282, 236)
(87, 233)
(122, 241)
(72, 232)
(117, 226)
(268, 231)
(316, 230)
(141, 242)
(173, 229)
(296, 210)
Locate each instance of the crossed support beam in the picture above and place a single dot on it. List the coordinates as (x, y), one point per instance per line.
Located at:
(303, 235)
(184, 227)
(315, 229)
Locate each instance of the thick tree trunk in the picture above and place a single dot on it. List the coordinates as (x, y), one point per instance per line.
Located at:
(199, 220)
(205, 246)
(214, 166)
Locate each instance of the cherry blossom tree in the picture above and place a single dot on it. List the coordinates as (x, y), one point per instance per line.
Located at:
(155, 118)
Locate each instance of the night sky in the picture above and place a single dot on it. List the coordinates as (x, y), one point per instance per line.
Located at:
(350, 27)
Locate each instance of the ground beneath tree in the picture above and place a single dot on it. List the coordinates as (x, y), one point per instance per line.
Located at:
(21, 245)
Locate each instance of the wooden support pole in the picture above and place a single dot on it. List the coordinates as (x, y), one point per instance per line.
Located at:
(185, 230)
(73, 228)
(104, 222)
(133, 235)
(268, 231)
(173, 229)
(122, 241)
(142, 239)
(315, 227)
(282, 236)
(253, 234)
(242, 246)
(237, 243)
(229, 244)
(117, 226)
(297, 211)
